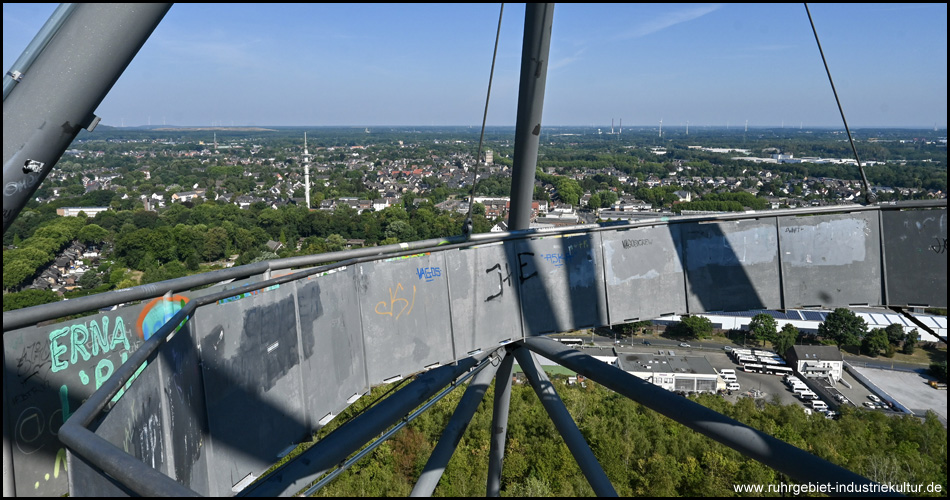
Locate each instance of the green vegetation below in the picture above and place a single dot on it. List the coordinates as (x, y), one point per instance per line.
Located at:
(642, 452)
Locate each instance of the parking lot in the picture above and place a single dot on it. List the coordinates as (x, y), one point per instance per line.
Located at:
(911, 393)
(909, 389)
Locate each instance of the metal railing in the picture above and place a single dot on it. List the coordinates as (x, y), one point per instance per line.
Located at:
(142, 479)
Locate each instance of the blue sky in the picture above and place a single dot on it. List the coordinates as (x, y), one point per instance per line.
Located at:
(428, 64)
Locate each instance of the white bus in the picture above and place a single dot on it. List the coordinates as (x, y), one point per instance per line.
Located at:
(571, 341)
(746, 359)
(780, 370)
(752, 368)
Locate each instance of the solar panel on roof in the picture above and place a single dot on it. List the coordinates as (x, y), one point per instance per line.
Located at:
(813, 316)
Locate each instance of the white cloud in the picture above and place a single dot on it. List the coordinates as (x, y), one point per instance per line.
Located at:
(667, 20)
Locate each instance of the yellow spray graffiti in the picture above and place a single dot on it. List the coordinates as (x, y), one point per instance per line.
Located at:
(394, 297)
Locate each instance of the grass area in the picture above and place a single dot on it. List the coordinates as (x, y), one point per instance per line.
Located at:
(549, 369)
(920, 356)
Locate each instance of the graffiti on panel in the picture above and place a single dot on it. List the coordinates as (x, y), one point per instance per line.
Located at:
(939, 246)
(501, 281)
(558, 259)
(522, 264)
(247, 294)
(157, 312)
(53, 367)
(429, 274)
(397, 305)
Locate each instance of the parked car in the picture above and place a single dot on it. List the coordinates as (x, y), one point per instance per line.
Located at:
(874, 398)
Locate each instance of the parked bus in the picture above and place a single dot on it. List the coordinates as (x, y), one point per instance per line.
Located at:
(571, 341)
(746, 359)
(752, 368)
(780, 370)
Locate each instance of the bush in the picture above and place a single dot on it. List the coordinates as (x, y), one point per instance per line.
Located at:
(890, 351)
(939, 370)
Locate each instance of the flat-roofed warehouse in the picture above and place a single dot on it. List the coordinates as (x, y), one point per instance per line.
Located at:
(671, 372)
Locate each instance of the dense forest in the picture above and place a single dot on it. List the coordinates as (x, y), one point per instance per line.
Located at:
(642, 452)
(187, 238)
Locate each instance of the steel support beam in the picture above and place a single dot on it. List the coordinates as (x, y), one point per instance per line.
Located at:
(779, 455)
(565, 424)
(538, 19)
(66, 82)
(499, 426)
(296, 474)
(452, 434)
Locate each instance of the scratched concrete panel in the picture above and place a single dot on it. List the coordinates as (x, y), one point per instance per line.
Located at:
(831, 260)
(562, 283)
(405, 315)
(332, 365)
(731, 265)
(250, 357)
(644, 273)
(485, 306)
(915, 257)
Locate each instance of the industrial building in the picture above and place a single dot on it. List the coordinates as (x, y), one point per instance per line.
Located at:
(672, 372)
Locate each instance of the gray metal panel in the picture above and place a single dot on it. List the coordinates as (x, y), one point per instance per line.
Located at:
(184, 398)
(483, 289)
(86, 480)
(51, 370)
(644, 273)
(562, 284)
(831, 260)
(332, 367)
(405, 315)
(250, 364)
(731, 265)
(136, 424)
(915, 257)
(164, 432)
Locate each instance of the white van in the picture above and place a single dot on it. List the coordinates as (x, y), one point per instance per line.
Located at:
(727, 371)
(729, 378)
(819, 405)
(802, 392)
(732, 386)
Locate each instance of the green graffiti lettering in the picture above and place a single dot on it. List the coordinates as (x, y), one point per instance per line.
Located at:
(64, 402)
(56, 349)
(79, 336)
(99, 340)
(103, 371)
(118, 334)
